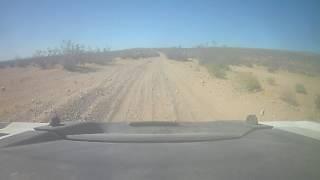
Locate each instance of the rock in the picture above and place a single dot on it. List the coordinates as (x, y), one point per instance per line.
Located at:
(3, 88)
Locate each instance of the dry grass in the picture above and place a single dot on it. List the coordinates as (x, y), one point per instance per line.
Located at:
(272, 69)
(271, 81)
(300, 89)
(218, 70)
(289, 97)
(274, 60)
(317, 102)
(249, 82)
(72, 55)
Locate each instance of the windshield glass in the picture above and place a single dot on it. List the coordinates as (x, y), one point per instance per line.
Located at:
(128, 61)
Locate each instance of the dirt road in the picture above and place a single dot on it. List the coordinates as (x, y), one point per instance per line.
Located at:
(148, 89)
(152, 89)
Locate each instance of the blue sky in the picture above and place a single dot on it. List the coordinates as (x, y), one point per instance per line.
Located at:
(26, 26)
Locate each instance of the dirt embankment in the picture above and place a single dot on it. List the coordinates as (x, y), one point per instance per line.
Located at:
(133, 90)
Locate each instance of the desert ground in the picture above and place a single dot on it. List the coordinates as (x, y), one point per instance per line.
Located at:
(150, 89)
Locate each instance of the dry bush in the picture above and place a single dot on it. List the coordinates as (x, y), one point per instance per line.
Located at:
(69, 63)
(218, 70)
(69, 66)
(2, 66)
(317, 102)
(71, 55)
(249, 82)
(178, 54)
(271, 81)
(272, 69)
(297, 62)
(300, 88)
(289, 97)
(21, 63)
(136, 53)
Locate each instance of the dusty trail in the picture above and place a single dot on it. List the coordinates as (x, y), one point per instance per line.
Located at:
(145, 90)
(150, 89)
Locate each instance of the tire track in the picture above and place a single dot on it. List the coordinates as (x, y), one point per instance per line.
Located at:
(106, 109)
(75, 108)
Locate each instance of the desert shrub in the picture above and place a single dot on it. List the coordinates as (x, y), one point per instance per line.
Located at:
(21, 63)
(272, 69)
(300, 89)
(317, 102)
(42, 64)
(289, 97)
(271, 81)
(69, 55)
(69, 64)
(69, 67)
(272, 59)
(2, 65)
(10, 64)
(249, 82)
(250, 65)
(218, 70)
(178, 54)
(136, 53)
